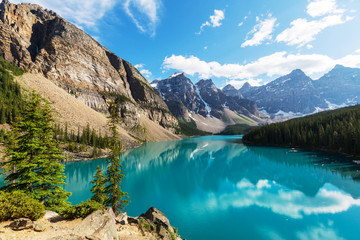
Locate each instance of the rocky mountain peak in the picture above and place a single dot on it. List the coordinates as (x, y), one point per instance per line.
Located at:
(40, 41)
(230, 90)
(179, 89)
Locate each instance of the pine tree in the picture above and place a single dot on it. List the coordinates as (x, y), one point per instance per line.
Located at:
(117, 199)
(33, 165)
(98, 188)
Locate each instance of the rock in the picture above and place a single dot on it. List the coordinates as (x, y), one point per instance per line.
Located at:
(132, 220)
(50, 214)
(158, 217)
(67, 237)
(21, 224)
(40, 41)
(122, 219)
(100, 224)
(163, 233)
(39, 227)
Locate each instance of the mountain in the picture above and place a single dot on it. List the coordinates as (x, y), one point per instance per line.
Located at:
(40, 41)
(340, 86)
(177, 91)
(209, 108)
(294, 93)
(230, 90)
(218, 100)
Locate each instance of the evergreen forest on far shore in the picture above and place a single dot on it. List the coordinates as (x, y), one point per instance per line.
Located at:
(335, 131)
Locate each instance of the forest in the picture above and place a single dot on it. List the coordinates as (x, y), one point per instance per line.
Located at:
(336, 131)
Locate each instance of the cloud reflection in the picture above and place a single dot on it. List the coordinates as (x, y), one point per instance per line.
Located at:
(291, 203)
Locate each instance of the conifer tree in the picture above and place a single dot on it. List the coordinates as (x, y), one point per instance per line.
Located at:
(98, 188)
(117, 199)
(33, 165)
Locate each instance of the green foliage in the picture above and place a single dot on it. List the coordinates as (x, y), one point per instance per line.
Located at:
(236, 129)
(145, 225)
(98, 189)
(190, 129)
(81, 210)
(85, 136)
(19, 205)
(117, 199)
(337, 130)
(11, 101)
(33, 154)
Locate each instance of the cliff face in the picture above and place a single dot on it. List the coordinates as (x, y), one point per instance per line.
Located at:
(40, 41)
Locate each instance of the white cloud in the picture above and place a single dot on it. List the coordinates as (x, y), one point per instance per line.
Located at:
(279, 63)
(240, 24)
(146, 73)
(309, 46)
(81, 12)
(215, 20)
(262, 32)
(303, 31)
(319, 8)
(144, 14)
(205, 48)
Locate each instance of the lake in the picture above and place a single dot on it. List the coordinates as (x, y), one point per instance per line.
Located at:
(215, 188)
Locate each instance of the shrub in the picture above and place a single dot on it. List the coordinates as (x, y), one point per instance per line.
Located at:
(81, 210)
(18, 205)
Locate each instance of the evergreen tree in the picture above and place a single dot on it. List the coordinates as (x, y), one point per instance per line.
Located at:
(33, 165)
(114, 174)
(98, 188)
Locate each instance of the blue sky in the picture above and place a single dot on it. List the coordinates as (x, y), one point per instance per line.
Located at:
(230, 41)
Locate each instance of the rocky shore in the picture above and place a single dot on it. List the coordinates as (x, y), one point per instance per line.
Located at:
(100, 225)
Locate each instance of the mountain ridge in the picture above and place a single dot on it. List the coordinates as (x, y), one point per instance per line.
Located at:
(41, 42)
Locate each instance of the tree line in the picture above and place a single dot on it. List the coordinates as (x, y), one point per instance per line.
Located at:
(337, 130)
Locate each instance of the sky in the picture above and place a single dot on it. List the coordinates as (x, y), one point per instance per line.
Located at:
(229, 41)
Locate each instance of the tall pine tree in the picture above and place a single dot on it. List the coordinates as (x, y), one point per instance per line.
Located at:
(98, 188)
(117, 199)
(33, 165)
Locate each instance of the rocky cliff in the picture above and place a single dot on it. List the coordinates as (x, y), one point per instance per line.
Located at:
(40, 41)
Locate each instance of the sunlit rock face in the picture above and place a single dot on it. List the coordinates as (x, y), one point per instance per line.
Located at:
(40, 41)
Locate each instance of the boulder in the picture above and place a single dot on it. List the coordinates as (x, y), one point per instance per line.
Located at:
(21, 224)
(158, 217)
(39, 227)
(122, 219)
(100, 224)
(163, 233)
(50, 214)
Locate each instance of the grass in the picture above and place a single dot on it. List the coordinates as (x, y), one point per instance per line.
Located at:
(190, 129)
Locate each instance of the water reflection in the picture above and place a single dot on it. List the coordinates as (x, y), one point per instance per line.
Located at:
(255, 192)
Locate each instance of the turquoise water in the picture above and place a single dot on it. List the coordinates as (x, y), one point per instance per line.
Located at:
(215, 188)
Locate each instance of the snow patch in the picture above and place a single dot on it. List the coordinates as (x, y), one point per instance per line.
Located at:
(175, 74)
(288, 114)
(154, 85)
(208, 108)
(334, 106)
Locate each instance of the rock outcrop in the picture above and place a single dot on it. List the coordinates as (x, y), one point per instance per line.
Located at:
(100, 225)
(40, 41)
